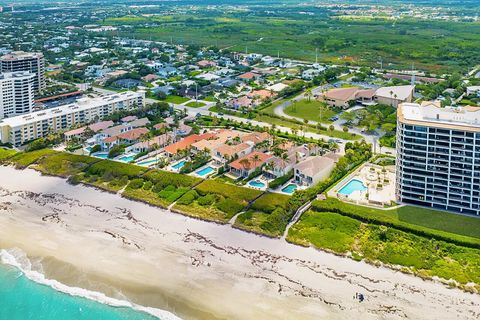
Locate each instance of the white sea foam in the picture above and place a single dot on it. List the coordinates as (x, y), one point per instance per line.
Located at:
(17, 258)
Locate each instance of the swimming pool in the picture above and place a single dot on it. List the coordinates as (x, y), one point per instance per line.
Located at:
(147, 162)
(101, 155)
(127, 158)
(352, 186)
(290, 188)
(205, 171)
(256, 184)
(179, 165)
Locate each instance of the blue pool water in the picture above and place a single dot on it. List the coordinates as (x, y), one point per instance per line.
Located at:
(351, 186)
(256, 184)
(88, 149)
(127, 158)
(179, 165)
(205, 171)
(290, 188)
(102, 155)
(22, 298)
(147, 162)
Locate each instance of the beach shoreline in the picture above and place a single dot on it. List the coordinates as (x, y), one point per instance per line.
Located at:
(155, 258)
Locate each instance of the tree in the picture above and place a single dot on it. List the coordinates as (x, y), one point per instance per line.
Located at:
(245, 164)
(255, 160)
(331, 127)
(309, 94)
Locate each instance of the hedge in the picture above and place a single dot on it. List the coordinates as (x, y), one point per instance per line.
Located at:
(381, 217)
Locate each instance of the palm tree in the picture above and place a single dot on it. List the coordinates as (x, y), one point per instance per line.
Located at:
(255, 159)
(309, 94)
(245, 164)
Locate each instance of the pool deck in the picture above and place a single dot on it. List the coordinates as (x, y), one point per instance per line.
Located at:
(379, 192)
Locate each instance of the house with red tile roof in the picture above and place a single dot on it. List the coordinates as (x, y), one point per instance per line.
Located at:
(262, 94)
(246, 165)
(95, 127)
(206, 63)
(226, 152)
(126, 137)
(247, 76)
(156, 142)
(185, 144)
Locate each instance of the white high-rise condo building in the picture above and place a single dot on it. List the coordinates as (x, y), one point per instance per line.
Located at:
(16, 93)
(438, 157)
(21, 129)
(34, 62)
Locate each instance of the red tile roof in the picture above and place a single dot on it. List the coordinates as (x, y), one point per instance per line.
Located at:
(187, 142)
(263, 158)
(133, 134)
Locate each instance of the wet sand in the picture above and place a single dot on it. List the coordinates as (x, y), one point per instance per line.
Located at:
(198, 270)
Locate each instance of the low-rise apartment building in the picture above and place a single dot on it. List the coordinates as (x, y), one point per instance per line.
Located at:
(21, 129)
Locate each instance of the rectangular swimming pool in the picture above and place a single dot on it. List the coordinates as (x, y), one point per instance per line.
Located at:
(179, 165)
(290, 188)
(127, 158)
(205, 171)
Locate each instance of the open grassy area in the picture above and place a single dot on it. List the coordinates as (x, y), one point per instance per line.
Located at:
(64, 164)
(215, 200)
(268, 215)
(176, 99)
(441, 225)
(423, 256)
(24, 159)
(109, 175)
(312, 110)
(302, 127)
(431, 45)
(194, 104)
(6, 153)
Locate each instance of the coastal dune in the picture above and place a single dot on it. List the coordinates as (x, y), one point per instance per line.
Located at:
(128, 250)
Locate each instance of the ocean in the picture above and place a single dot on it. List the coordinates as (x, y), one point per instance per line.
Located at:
(26, 294)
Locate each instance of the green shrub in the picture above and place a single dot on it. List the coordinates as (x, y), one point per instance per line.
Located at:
(274, 184)
(188, 198)
(390, 218)
(136, 184)
(206, 200)
(229, 206)
(147, 185)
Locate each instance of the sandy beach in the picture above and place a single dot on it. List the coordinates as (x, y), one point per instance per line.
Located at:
(84, 237)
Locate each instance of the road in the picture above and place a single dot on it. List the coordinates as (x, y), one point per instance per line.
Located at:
(338, 125)
(204, 111)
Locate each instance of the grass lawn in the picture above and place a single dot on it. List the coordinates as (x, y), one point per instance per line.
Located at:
(440, 220)
(268, 215)
(24, 159)
(296, 126)
(6, 153)
(310, 110)
(64, 164)
(209, 99)
(423, 256)
(176, 99)
(435, 223)
(195, 104)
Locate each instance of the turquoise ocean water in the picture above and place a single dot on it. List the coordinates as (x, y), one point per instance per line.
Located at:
(23, 298)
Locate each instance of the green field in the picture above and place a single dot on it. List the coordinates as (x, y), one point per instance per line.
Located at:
(215, 200)
(423, 256)
(176, 99)
(311, 110)
(268, 215)
(195, 104)
(431, 45)
(452, 227)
